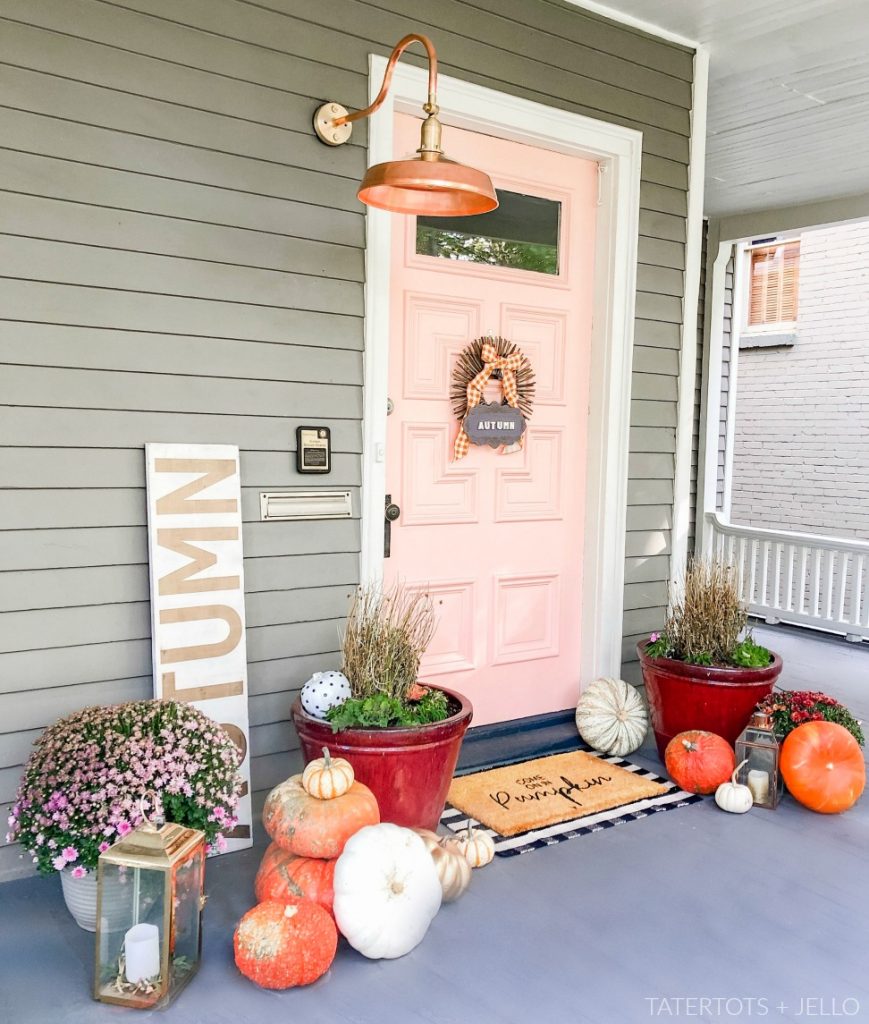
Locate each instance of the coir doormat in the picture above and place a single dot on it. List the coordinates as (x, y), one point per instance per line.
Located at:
(535, 803)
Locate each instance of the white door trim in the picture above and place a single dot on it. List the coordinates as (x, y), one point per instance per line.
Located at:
(619, 152)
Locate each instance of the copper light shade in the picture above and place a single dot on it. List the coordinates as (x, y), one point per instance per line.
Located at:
(434, 188)
(429, 185)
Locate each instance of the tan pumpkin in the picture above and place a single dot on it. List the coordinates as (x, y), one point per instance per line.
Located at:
(327, 777)
(475, 846)
(454, 871)
(316, 828)
(431, 839)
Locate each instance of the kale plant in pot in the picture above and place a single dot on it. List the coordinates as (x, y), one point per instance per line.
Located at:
(704, 669)
(401, 737)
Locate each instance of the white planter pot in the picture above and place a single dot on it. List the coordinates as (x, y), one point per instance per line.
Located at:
(81, 898)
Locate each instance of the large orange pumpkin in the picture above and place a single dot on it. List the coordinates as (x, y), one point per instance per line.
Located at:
(280, 946)
(309, 827)
(284, 877)
(699, 761)
(823, 767)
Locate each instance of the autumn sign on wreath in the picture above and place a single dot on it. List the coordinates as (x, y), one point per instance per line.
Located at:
(498, 424)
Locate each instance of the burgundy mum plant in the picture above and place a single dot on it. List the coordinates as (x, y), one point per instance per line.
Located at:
(790, 708)
(91, 776)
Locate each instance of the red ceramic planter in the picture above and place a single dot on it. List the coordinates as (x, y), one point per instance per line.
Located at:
(719, 700)
(408, 770)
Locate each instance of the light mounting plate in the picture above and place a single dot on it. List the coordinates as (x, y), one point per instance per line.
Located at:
(327, 131)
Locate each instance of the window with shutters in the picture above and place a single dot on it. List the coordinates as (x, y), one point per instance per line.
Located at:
(774, 282)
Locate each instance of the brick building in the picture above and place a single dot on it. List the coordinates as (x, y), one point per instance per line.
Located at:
(801, 430)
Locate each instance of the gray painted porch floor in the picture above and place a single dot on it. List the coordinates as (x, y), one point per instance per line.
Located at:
(771, 907)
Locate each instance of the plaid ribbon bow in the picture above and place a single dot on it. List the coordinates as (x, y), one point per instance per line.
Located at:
(491, 362)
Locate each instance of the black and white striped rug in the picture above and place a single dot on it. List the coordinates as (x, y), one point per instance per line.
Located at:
(536, 839)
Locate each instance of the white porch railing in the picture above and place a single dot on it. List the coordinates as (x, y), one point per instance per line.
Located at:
(797, 577)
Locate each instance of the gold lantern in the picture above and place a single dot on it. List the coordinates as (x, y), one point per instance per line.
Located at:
(759, 748)
(149, 907)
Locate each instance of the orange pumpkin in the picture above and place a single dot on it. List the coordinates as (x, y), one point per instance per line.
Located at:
(284, 877)
(823, 767)
(309, 827)
(699, 761)
(280, 946)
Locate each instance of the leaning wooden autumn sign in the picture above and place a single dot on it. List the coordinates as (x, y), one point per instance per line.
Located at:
(197, 590)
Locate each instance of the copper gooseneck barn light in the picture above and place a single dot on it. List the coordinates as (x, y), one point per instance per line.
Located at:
(428, 184)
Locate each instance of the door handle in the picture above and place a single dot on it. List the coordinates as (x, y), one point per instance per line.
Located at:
(391, 512)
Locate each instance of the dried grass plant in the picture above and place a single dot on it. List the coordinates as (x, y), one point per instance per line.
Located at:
(707, 615)
(386, 635)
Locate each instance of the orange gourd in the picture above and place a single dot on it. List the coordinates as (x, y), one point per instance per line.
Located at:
(699, 761)
(309, 827)
(287, 878)
(280, 946)
(823, 767)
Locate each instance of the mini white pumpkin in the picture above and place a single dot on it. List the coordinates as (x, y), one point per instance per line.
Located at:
(387, 891)
(733, 796)
(477, 847)
(324, 691)
(611, 716)
(327, 776)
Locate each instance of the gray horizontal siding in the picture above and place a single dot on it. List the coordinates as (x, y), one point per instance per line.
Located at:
(180, 259)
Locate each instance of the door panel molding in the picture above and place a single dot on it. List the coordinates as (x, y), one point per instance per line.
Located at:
(618, 151)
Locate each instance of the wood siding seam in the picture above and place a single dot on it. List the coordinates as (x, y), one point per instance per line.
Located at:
(351, 213)
(102, 247)
(351, 174)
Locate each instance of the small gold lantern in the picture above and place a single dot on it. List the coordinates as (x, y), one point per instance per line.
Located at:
(759, 748)
(149, 907)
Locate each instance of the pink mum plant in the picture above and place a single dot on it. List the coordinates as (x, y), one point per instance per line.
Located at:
(91, 774)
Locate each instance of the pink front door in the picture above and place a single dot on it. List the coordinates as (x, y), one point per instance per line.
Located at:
(496, 539)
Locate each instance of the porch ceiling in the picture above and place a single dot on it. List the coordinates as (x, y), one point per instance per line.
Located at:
(788, 96)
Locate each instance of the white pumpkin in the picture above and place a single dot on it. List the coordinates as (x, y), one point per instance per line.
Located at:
(733, 796)
(324, 691)
(387, 891)
(611, 716)
(476, 846)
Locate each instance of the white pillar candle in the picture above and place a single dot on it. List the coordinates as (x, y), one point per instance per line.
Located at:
(758, 783)
(142, 952)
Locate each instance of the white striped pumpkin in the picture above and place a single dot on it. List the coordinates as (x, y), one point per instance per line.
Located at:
(611, 716)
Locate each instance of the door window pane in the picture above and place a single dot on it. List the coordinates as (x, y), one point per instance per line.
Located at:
(522, 234)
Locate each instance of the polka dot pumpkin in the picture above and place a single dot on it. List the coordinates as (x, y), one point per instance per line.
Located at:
(323, 691)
